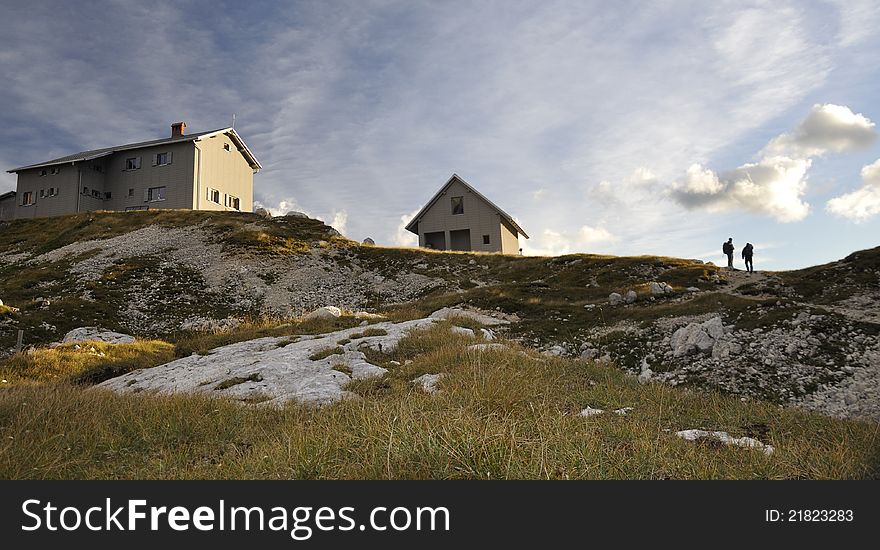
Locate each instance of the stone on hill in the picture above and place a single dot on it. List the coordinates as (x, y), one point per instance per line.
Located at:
(95, 334)
(263, 213)
(294, 214)
(724, 437)
(697, 337)
(589, 411)
(369, 242)
(428, 382)
(615, 299)
(324, 313)
(659, 289)
(631, 296)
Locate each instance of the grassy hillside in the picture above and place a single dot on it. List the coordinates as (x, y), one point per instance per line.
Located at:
(500, 415)
(508, 413)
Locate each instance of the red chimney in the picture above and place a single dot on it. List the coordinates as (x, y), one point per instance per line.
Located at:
(178, 129)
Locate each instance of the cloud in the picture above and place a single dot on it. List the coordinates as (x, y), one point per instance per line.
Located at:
(554, 243)
(340, 219)
(777, 183)
(774, 186)
(828, 128)
(402, 237)
(863, 203)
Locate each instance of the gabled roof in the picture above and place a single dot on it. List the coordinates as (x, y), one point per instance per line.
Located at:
(412, 226)
(98, 153)
(7, 195)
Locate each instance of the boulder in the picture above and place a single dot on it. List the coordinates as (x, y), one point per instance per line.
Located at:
(369, 242)
(428, 382)
(263, 213)
(659, 289)
(615, 299)
(631, 296)
(697, 337)
(95, 334)
(463, 331)
(294, 214)
(589, 411)
(324, 313)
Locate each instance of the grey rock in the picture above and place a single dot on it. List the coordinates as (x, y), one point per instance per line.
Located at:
(95, 334)
(615, 299)
(428, 382)
(631, 296)
(326, 312)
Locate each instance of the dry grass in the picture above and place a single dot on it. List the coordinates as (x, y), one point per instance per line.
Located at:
(93, 362)
(501, 414)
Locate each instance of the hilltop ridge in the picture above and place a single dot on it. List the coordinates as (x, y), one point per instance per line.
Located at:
(806, 337)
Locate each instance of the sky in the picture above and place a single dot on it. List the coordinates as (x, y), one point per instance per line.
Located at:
(619, 128)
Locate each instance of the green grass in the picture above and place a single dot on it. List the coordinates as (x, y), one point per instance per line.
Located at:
(325, 353)
(501, 415)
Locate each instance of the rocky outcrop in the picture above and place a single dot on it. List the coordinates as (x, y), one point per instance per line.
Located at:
(697, 337)
(273, 371)
(95, 334)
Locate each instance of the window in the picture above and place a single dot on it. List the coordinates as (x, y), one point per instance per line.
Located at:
(161, 159)
(485, 239)
(96, 193)
(97, 168)
(226, 146)
(156, 194)
(214, 195)
(85, 190)
(53, 191)
(133, 163)
(42, 173)
(131, 192)
(42, 193)
(107, 195)
(233, 202)
(27, 198)
(457, 205)
(55, 171)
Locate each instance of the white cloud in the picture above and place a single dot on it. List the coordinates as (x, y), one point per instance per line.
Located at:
(863, 203)
(828, 128)
(774, 186)
(402, 237)
(554, 243)
(340, 219)
(777, 183)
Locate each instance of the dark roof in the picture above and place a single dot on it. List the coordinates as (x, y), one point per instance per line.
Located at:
(97, 153)
(411, 227)
(7, 195)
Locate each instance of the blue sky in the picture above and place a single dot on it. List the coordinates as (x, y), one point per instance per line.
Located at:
(607, 127)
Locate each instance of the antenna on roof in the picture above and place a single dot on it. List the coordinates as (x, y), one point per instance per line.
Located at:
(233, 121)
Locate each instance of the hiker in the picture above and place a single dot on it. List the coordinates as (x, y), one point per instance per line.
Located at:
(728, 249)
(747, 253)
